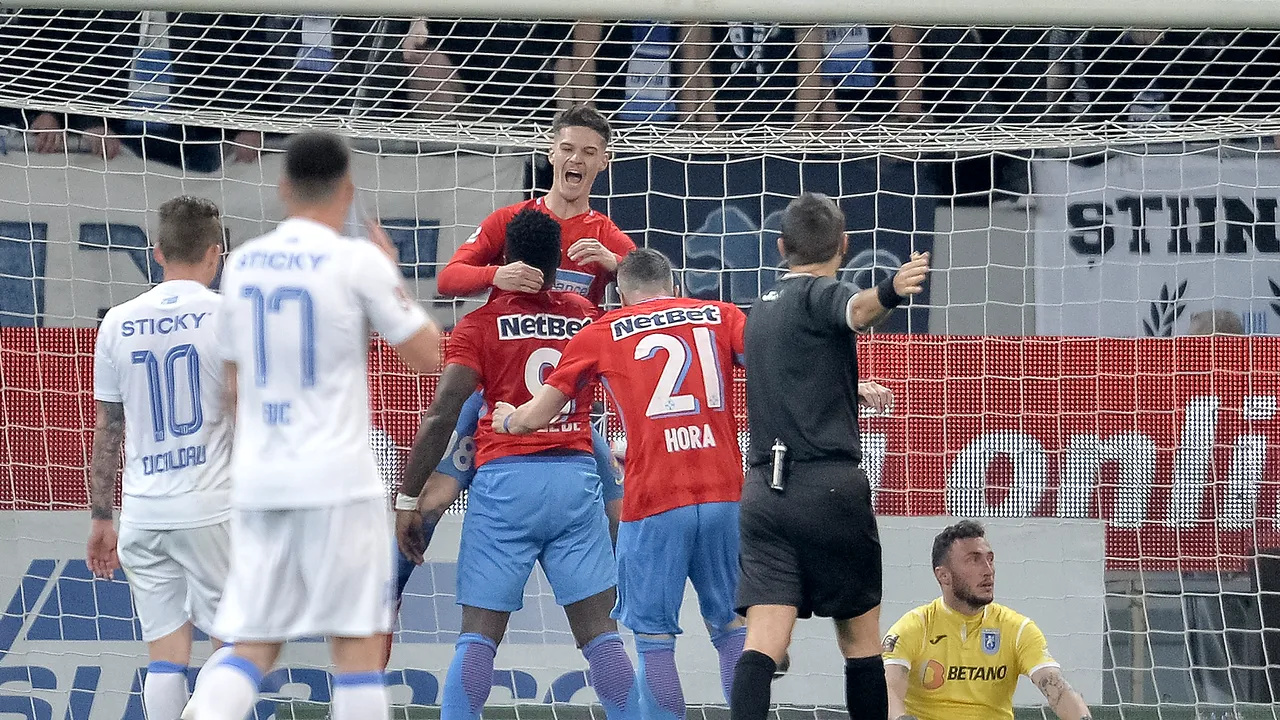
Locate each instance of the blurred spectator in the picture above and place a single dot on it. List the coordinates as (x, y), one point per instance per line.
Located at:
(1233, 73)
(198, 61)
(1132, 77)
(63, 56)
(745, 73)
(640, 69)
(434, 89)
(510, 70)
(859, 73)
(1215, 322)
(340, 65)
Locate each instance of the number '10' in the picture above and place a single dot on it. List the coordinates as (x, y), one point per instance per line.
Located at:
(263, 304)
(160, 420)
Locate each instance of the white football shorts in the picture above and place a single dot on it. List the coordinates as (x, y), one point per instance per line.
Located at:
(175, 576)
(308, 573)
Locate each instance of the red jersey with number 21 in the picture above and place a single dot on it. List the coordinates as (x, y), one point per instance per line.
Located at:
(514, 341)
(666, 363)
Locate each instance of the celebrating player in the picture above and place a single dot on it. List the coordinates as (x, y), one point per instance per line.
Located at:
(591, 244)
(684, 479)
(311, 526)
(158, 373)
(533, 498)
(959, 657)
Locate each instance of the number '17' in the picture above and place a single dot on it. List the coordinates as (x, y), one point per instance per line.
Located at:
(274, 303)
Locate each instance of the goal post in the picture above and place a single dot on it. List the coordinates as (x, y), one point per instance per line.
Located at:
(1094, 197)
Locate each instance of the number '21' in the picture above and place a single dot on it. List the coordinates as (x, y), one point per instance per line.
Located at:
(665, 402)
(162, 382)
(273, 303)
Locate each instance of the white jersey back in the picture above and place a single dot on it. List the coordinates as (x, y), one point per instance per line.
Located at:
(300, 303)
(158, 355)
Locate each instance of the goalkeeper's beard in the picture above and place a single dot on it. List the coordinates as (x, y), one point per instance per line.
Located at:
(970, 597)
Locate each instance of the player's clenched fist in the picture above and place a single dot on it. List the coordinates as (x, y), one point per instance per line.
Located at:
(911, 276)
(518, 277)
(875, 397)
(501, 411)
(590, 250)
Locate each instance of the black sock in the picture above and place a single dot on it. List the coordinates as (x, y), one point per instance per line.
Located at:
(752, 682)
(865, 691)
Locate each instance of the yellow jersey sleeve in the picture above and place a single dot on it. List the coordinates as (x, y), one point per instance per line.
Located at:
(1032, 649)
(902, 644)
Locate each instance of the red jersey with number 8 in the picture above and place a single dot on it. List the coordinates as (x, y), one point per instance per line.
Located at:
(514, 342)
(666, 364)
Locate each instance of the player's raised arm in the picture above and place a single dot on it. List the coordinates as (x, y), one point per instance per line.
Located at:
(1067, 704)
(471, 270)
(392, 313)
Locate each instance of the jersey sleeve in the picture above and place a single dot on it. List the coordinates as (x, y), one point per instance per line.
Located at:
(1032, 649)
(459, 461)
(901, 645)
(390, 310)
(618, 242)
(578, 364)
(106, 383)
(464, 346)
(471, 269)
(736, 322)
(829, 306)
(606, 467)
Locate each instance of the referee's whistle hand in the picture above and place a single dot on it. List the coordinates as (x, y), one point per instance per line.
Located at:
(911, 276)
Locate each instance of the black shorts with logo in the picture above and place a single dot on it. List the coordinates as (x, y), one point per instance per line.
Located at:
(815, 546)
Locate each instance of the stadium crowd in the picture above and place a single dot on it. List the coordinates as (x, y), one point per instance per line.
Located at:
(705, 75)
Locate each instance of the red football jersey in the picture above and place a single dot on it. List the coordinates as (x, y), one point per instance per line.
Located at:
(471, 269)
(513, 342)
(667, 364)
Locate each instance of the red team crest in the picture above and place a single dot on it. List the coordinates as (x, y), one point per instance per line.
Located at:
(665, 363)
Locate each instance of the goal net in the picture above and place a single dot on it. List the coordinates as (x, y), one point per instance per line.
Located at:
(1097, 200)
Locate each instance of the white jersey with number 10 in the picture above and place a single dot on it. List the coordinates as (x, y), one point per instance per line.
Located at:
(300, 302)
(158, 356)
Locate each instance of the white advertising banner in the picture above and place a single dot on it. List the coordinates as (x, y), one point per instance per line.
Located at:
(73, 229)
(1138, 243)
(69, 644)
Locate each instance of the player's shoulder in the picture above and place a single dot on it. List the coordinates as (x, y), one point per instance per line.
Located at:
(1009, 620)
(504, 214)
(575, 302)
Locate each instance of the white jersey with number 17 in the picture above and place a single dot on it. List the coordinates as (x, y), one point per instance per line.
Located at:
(300, 302)
(158, 356)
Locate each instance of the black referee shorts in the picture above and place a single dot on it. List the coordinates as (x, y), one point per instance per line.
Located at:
(814, 546)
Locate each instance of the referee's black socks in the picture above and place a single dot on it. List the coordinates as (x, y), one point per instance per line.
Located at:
(752, 682)
(866, 693)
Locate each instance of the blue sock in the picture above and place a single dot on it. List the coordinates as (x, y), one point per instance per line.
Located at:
(470, 678)
(728, 644)
(660, 694)
(612, 677)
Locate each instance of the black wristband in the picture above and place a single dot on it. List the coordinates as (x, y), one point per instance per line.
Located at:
(888, 297)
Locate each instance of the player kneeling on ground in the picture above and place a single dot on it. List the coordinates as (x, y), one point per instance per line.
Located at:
(534, 498)
(959, 657)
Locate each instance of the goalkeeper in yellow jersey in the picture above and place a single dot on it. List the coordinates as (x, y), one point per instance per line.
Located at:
(959, 657)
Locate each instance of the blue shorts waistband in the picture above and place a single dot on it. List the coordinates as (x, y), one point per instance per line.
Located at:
(553, 456)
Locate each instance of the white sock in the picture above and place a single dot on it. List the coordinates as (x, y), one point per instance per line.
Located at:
(226, 691)
(218, 655)
(361, 696)
(164, 692)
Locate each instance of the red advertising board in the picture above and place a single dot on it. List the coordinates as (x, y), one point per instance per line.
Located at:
(1174, 442)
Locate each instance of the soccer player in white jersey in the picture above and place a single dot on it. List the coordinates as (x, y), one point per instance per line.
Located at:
(158, 386)
(310, 522)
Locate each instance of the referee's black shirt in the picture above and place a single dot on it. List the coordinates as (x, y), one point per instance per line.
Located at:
(802, 372)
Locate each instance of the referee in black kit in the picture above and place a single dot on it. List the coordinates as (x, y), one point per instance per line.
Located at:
(809, 542)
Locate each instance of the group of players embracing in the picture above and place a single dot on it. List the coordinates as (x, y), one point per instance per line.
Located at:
(266, 383)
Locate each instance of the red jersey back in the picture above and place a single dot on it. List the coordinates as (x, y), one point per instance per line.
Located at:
(472, 267)
(513, 342)
(666, 363)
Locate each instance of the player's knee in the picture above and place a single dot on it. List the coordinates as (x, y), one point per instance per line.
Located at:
(172, 648)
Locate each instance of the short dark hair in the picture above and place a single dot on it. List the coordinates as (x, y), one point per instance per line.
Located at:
(189, 226)
(644, 267)
(315, 162)
(533, 238)
(963, 530)
(582, 116)
(812, 229)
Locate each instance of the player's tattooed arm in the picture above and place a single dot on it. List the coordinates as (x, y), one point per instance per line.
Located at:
(108, 434)
(1067, 704)
(456, 385)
